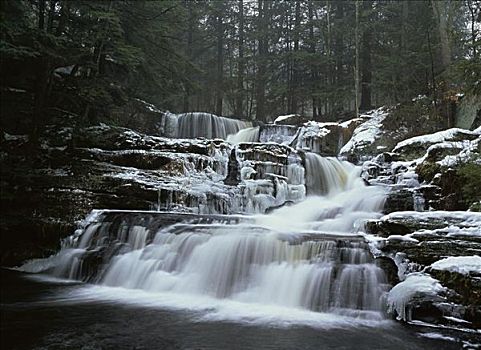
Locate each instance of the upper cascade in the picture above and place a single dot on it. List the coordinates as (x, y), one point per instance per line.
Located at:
(199, 124)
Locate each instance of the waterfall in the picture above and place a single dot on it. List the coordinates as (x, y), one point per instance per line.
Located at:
(326, 174)
(198, 124)
(310, 256)
(244, 135)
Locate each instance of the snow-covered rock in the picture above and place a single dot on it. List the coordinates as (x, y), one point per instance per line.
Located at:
(291, 119)
(366, 133)
(460, 264)
(418, 146)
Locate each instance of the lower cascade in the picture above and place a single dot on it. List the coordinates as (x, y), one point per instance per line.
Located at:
(311, 255)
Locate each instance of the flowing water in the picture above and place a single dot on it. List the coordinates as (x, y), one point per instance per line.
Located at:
(198, 124)
(39, 314)
(305, 266)
(244, 135)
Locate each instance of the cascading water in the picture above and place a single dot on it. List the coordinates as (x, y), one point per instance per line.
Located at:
(244, 135)
(197, 124)
(326, 174)
(309, 256)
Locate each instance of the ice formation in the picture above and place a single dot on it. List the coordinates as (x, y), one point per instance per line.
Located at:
(415, 284)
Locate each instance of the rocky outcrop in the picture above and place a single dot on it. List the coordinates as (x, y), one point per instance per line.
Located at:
(385, 127)
(46, 191)
(436, 146)
(138, 115)
(415, 241)
(323, 138)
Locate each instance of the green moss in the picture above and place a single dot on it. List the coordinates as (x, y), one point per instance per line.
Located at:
(475, 206)
(470, 174)
(427, 170)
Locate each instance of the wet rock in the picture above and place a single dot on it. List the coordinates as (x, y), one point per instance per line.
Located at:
(271, 209)
(467, 286)
(390, 268)
(233, 172)
(400, 200)
(415, 240)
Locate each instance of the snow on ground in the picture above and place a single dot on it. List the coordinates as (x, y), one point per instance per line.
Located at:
(366, 133)
(432, 335)
(406, 238)
(465, 148)
(9, 137)
(348, 123)
(460, 264)
(452, 231)
(415, 284)
(284, 117)
(149, 106)
(436, 137)
(464, 217)
(466, 154)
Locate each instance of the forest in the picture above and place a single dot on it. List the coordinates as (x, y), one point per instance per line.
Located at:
(250, 60)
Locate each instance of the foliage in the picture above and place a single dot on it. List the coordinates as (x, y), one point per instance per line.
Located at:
(87, 56)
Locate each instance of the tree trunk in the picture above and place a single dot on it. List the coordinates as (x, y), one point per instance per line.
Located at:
(330, 76)
(63, 18)
(41, 85)
(356, 68)
(51, 16)
(190, 32)
(295, 70)
(432, 69)
(366, 67)
(440, 11)
(338, 54)
(220, 60)
(41, 14)
(312, 49)
(472, 11)
(240, 63)
(262, 60)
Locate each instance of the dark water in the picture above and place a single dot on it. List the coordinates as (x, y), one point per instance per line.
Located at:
(41, 315)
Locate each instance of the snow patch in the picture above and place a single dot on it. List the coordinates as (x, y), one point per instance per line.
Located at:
(460, 264)
(432, 335)
(437, 137)
(284, 117)
(366, 133)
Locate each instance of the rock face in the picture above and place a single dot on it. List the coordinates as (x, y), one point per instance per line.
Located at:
(416, 242)
(45, 192)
